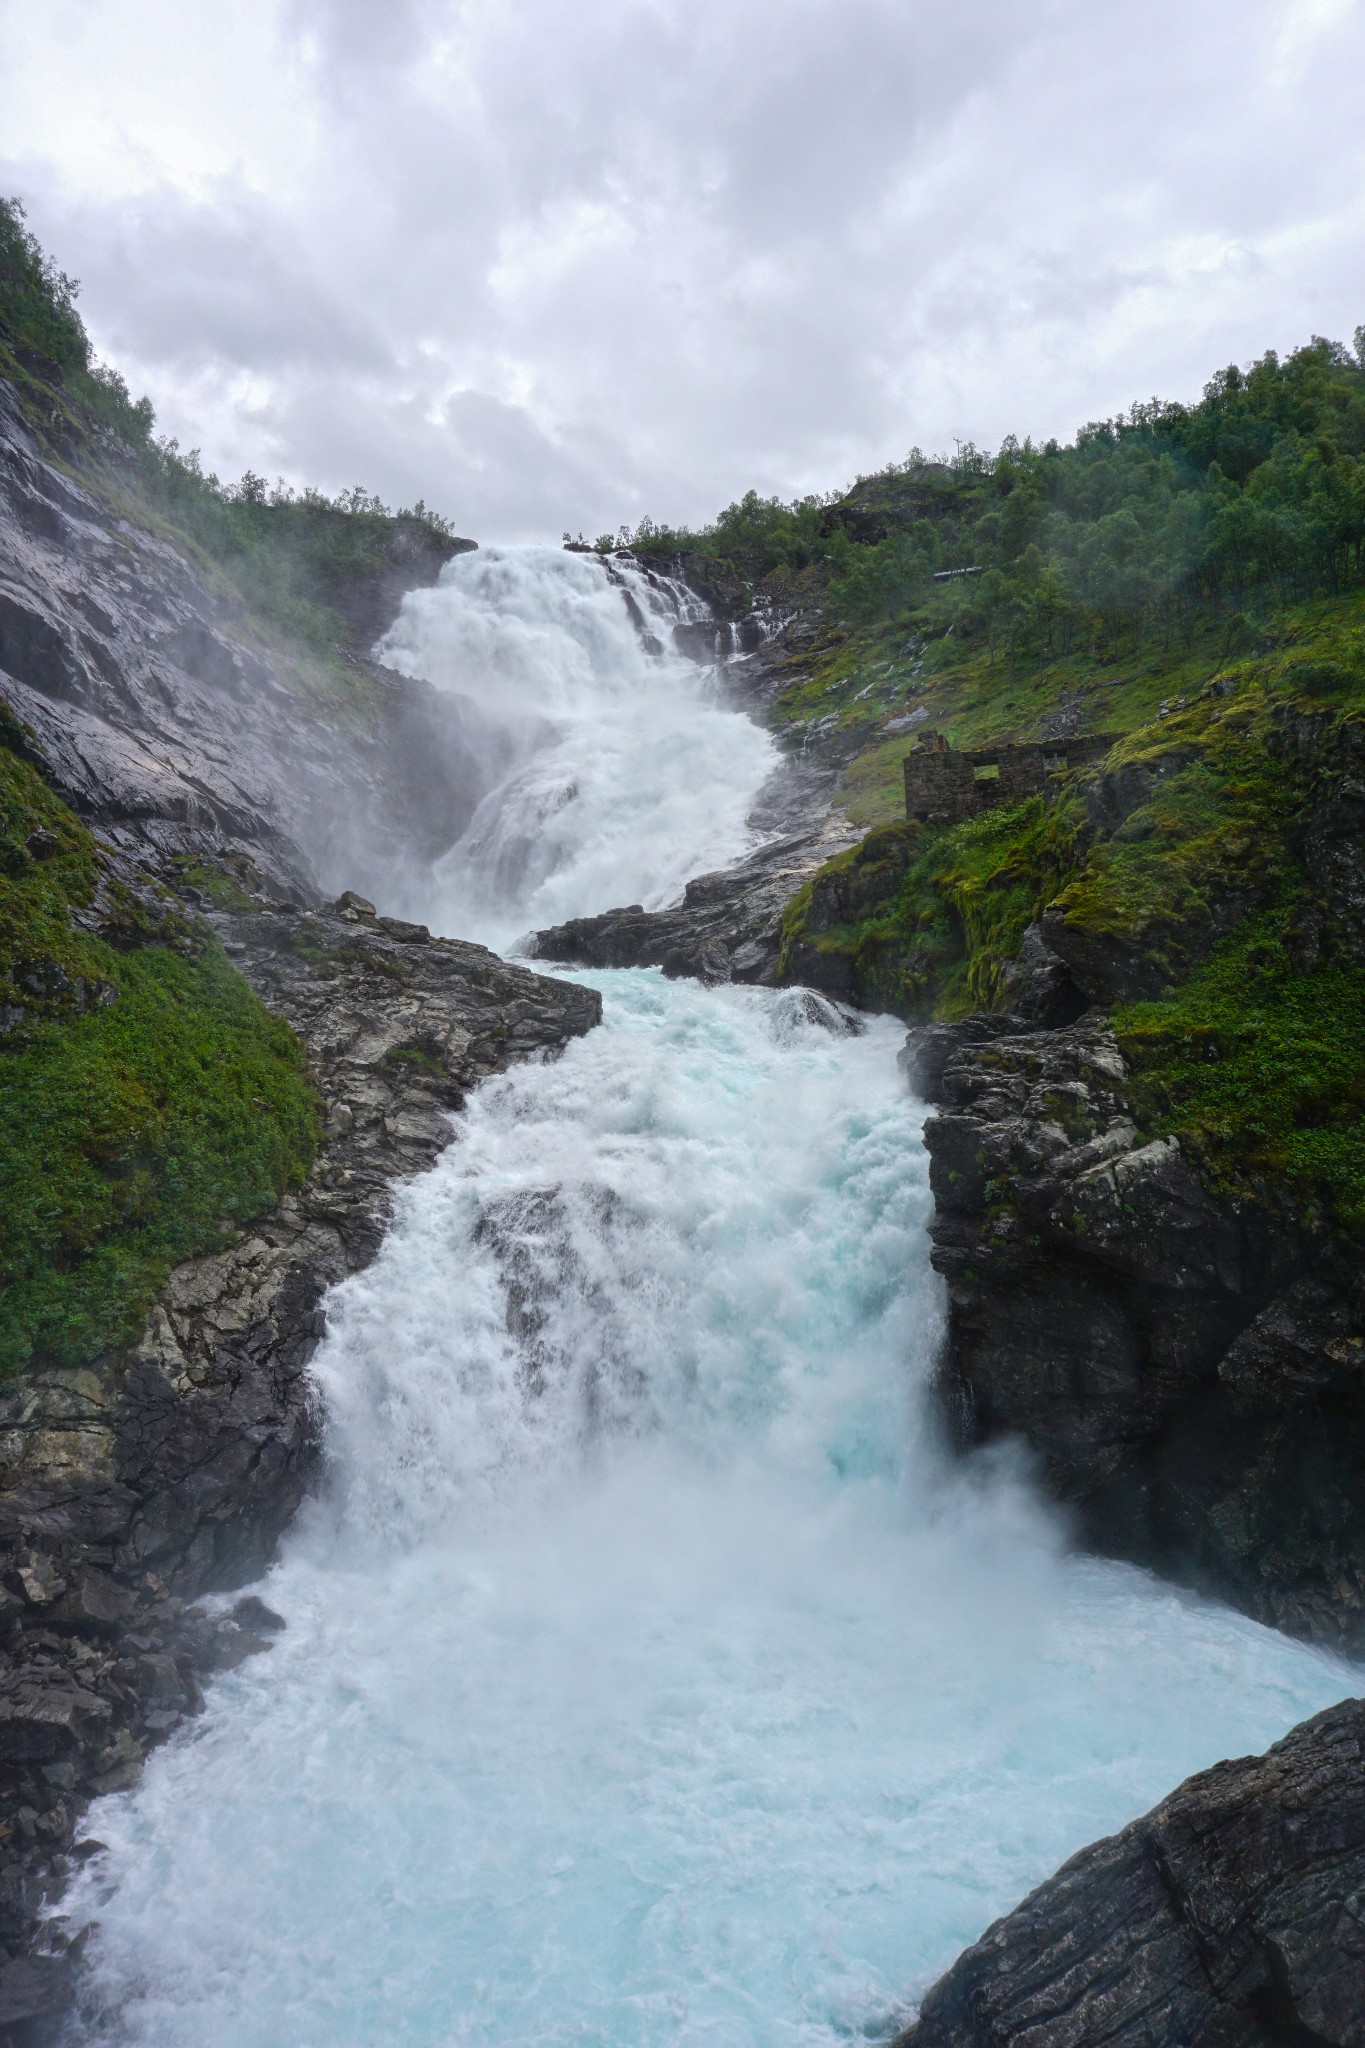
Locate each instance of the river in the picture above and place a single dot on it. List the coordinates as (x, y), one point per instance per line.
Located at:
(651, 1675)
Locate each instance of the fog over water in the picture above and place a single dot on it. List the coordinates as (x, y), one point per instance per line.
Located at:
(651, 1676)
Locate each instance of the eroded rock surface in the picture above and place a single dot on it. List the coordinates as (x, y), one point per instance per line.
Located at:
(1230, 1916)
(728, 925)
(165, 725)
(1188, 1369)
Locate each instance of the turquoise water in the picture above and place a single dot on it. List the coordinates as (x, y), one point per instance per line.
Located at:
(650, 1676)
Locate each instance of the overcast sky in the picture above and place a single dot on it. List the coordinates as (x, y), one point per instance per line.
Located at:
(557, 263)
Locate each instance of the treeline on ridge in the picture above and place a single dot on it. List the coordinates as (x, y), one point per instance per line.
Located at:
(1151, 522)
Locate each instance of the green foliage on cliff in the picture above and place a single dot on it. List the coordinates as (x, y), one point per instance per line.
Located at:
(1051, 587)
(1258, 1062)
(298, 559)
(923, 922)
(149, 1104)
(1175, 879)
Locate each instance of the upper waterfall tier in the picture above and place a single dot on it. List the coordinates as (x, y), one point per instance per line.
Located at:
(612, 770)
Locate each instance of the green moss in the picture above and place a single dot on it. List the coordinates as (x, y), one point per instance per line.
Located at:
(929, 933)
(1260, 1067)
(417, 1060)
(1213, 798)
(149, 1103)
(218, 885)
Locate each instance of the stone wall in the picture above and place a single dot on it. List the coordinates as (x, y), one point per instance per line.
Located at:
(944, 785)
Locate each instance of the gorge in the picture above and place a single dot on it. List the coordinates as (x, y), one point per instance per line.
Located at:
(515, 1577)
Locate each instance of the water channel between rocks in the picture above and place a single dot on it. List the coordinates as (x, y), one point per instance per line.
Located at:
(651, 1676)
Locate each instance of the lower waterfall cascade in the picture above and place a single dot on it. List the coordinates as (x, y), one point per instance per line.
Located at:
(651, 1673)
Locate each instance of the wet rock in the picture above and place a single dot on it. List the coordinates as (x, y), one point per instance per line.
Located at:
(800, 1010)
(1038, 990)
(1183, 1366)
(251, 1612)
(44, 1716)
(36, 1995)
(727, 927)
(1231, 1916)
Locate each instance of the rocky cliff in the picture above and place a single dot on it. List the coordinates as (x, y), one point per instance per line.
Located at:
(1186, 1366)
(174, 720)
(1149, 1153)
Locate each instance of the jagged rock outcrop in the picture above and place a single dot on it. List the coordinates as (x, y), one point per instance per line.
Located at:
(130, 1487)
(1187, 1368)
(1230, 1916)
(728, 926)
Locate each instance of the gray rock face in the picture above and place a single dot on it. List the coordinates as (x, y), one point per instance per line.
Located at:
(1186, 1369)
(1231, 1916)
(161, 724)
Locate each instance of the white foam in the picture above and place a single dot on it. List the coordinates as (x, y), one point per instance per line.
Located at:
(649, 1677)
(616, 772)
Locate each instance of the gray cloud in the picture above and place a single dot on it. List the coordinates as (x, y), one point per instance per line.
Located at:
(552, 267)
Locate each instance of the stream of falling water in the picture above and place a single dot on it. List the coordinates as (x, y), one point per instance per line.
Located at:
(650, 1676)
(612, 772)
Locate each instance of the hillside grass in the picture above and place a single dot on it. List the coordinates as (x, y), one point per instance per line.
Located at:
(149, 1104)
(1259, 1066)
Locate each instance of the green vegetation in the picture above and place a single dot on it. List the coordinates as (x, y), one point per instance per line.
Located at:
(295, 560)
(1097, 580)
(1257, 1062)
(1173, 877)
(1190, 578)
(927, 920)
(149, 1104)
(1152, 522)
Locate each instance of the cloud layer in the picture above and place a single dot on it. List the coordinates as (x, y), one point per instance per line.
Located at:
(555, 267)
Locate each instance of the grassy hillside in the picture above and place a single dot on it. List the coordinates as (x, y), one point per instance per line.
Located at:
(149, 1104)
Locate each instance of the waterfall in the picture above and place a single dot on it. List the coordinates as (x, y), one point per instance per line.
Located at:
(650, 1674)
(613, 771)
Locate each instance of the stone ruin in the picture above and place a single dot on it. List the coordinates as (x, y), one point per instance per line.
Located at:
(944, 785)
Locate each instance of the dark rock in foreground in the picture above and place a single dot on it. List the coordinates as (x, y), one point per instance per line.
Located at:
(1187, 1368)
(1231, 1916)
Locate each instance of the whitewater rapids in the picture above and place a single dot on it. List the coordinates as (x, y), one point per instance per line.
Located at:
(651, 1677)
